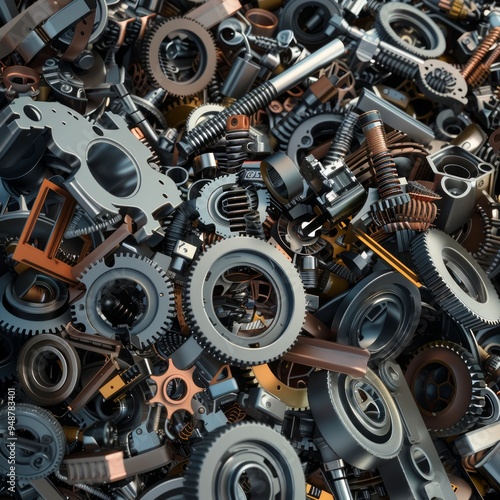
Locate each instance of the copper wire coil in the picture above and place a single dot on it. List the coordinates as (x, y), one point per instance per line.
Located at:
(480, 52)
(417, 215)
(234, 413)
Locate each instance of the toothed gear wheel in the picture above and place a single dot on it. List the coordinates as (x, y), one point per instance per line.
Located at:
(244, 301)
(406, 26)
(25, 318)
(245, 460)
(222, 205)
(448, 387)
(201, 113)
(132, 294)
(40, 444)
(456, 280)
(168, 49)
(10, 345)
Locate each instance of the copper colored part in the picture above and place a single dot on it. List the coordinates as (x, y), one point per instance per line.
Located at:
(264, 23)
(144, 24)
(459, 401)
(186, 432)
(416, 214)
(482, 71)
(395, 263)
(82, 33)
(481, 50)
(30, 79)
(313, 326)
(108, 246)
(270, 4)
(237, 122)
(44, 260)
(234, 413)
(185, 378)
(324, 89)
(494, 140)
(456, 9)
(328, 355)
(275, 107)
(213, 12)
(73, 434)
(180, 310)
(122, 26)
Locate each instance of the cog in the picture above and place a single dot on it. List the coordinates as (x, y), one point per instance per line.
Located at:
(245, 302)
(162, 48)
(132, 295)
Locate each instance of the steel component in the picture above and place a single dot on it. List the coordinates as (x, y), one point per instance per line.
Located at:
(410, 29)
(40, 443)
(247, 334)
(268, 462)
(169, 489)
(447, 385)
(167, 50)
(380, 313)
(48, 368)
(210, 131)
(457, 282)
(130, 296)
(356, 417)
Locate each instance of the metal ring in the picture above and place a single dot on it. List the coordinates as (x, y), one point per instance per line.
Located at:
(247, 456)
(282, 313)
(170, 489)
(380, 313)
(49, 369)
(356, 417)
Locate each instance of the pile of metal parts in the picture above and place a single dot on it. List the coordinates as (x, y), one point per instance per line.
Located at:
(249, 250)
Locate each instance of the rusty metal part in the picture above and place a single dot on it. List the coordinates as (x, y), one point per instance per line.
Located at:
(482, 49)
(482, 71)
(264, 22)
(175, 389)
(328, 355)
(21, 79)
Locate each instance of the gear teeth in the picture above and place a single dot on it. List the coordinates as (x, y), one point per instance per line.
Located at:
(440, 289)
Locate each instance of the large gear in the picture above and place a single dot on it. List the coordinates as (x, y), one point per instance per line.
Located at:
(201, 113)
(24, 317)
(223, 203)
(245, 301)
(406, 26)
(457, 282)
(159, 62)
(132, 295)
(40, 444)
(245, 457)
(448, 386)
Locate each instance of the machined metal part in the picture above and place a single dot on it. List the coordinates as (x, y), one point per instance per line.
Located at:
(356, 417)
(48, 368)
(268, 461)
(40, 444)
(270, 331)
(456, 280)
(142, 192)
(131, 296)
(380, 313)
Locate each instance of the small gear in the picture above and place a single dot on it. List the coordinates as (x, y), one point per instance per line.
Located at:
(178, 112)
(245, 301)
(448, 387)
(175, 389)
(168, 49)
(131, 295)
(201, 113)
(457, 282)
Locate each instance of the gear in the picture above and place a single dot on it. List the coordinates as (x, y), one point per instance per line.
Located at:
(24, 317)
(178, 111)
(175, 389)
(456, 280)
(40, 444)
(410, 29)
(202, 113)
(245, 301)
(132, 295)
(10, 345)
(222, 205)
(244, 458)
(165, 53)
(448, 387)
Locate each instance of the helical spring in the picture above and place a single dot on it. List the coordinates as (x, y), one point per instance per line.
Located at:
(236, 204)
(122, 307)
(237, 141)
(481, 50)
(397, 65)
(341, 144)
(253, 224)
(213, 90)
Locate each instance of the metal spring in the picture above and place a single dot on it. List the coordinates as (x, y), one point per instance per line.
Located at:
(175, 227)
(341, 144)
(236, 204)
(440, 82)
(121, 312)
(234, 413)
(66, 257)
(373, 5)
(71, 232)
(397, 65)
(212, 129)
(186, 432)
(253, 225)
(480, 74)
(481, 50)
(213, 90)
(417, 215)
(237, 141)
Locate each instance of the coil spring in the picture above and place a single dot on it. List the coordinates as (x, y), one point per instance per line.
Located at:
(210, 130)
(236, 204)
(237, 140)
(175, 227)
(481, 50)
(123, 306)
(234, 413)
(66, 257)
(397, 65)
(341, 144)
(253, 225)
(213, 89)
(186, 432)
(73, 232)
(441, 81)
(373, 5)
